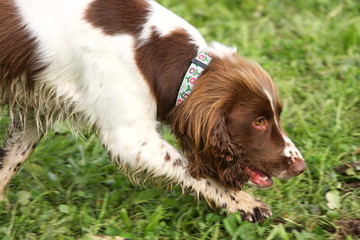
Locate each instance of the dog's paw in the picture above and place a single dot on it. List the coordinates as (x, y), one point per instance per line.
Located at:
(250, 208)
(258, 214)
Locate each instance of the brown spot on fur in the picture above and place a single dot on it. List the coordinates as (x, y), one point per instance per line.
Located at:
(177, 163)
(17, 167)
(144, 143)
(167, 157)
(18, 50)
(137, 157)
(114, 17)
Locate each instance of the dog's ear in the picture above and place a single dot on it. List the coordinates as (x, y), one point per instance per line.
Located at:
(191, 124)
(220, 141)
(228, 156)
(204, 137)
(199, 164)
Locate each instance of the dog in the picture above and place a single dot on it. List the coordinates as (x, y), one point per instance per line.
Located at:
(125, 66)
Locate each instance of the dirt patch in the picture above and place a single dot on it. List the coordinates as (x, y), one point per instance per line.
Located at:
(349, 226)
(341, 169)
(349, 173)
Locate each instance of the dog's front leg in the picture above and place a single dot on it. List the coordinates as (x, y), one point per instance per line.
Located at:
(143, 149)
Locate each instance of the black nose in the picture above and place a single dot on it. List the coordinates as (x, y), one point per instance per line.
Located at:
(299, 166)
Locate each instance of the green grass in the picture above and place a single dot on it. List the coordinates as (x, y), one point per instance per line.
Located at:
(68, 189)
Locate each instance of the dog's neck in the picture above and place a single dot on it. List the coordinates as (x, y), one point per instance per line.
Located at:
(197, 66)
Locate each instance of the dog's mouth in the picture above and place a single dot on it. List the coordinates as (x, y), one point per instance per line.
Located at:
(258, 177)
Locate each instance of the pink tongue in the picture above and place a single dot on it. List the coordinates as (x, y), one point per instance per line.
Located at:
(259, 178)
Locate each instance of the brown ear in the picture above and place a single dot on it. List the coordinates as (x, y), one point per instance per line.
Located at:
(204, 137)
(220, 142)
(190, 122)
(199, 162)
(227, 156)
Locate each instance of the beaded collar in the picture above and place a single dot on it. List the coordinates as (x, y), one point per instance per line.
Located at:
(197, 66)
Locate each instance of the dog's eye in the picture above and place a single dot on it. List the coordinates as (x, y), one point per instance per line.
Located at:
(259, 123)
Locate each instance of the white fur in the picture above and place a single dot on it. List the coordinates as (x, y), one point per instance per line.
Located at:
(271, 100)
(290, 150)
(221, 50)
(165, 22)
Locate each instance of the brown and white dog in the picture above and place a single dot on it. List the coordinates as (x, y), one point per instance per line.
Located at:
(118, 66)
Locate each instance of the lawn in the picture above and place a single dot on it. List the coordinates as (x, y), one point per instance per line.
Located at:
(68, 189)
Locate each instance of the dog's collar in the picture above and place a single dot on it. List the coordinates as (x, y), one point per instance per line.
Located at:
(197, 66)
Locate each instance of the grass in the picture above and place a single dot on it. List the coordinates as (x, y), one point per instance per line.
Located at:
(68, 189)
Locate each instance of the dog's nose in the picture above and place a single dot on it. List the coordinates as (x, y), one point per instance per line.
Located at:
(299, 166)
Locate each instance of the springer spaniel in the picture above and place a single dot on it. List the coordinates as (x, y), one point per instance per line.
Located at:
(118, 66)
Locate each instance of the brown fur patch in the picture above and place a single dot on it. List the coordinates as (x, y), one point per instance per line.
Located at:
(18, 50)
(167, 157)
(177, 163)
(115, 17)
(163, 61)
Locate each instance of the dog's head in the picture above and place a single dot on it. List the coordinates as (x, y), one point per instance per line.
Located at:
(230, 126)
